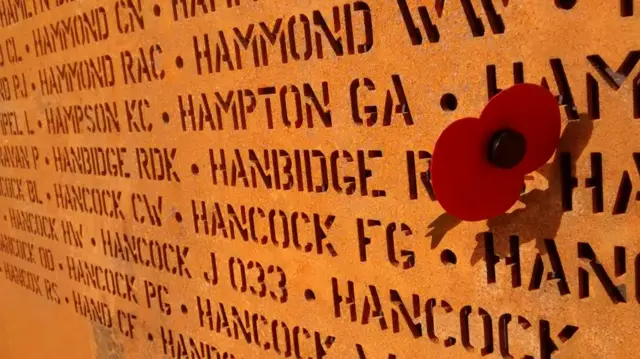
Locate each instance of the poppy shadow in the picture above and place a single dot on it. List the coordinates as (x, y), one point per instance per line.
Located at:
(542, 215)
(439, 228)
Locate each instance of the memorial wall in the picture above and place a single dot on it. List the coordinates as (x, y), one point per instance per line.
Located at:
(248, 179)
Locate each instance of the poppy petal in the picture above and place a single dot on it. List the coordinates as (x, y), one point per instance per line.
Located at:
(465, 183)
(532, 111)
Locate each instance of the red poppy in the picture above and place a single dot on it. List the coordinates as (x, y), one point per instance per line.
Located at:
(479, 164)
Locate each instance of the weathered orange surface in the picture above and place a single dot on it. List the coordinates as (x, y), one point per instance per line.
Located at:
(335, 249)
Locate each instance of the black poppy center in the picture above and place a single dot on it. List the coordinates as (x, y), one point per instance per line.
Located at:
(507, 149)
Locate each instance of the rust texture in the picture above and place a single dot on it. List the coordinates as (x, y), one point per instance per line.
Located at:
(248, 179)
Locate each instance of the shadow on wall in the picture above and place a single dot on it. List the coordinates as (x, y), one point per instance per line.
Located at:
(541, 217)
